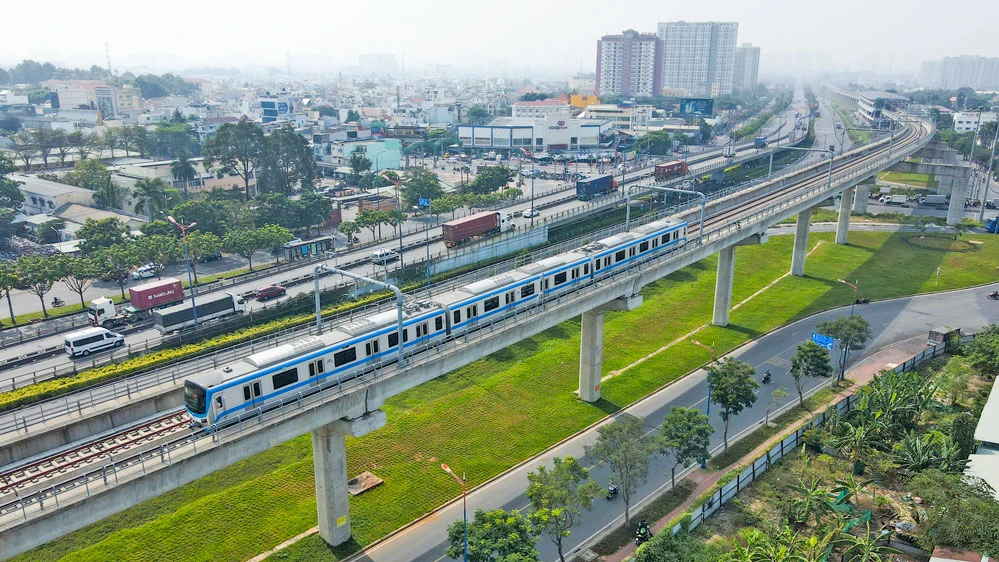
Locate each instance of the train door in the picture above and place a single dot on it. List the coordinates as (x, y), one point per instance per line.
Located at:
(251, 393)
(316, 368)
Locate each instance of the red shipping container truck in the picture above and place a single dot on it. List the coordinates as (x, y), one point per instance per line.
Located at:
(669, 170)
(143, 297)
(461, 230)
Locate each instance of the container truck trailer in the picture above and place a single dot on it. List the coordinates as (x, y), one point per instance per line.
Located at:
(464, 229)
(142, 298)
(210, 307)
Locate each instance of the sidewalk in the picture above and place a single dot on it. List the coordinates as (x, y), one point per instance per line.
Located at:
(861, 374)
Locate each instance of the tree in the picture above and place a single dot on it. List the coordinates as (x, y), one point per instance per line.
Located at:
(358, 164)
(733, 388)
(45, 141)
(126, 138)
(274, 235)
(78, 273)
(558, 496)
(88, 174)
(49, 232)
(150, 196)
(953, 379)
(210, 215)
(352, 116)
(477, 114)
(852, 333)
(656, 142)
(157, 251)
(858, 441)
(111, 138)
(349, 229)
(37, 275)
(102, 233)
(811, 360)
(9, 123)
(962, 434)
(983, 351)
(244, 242)
(494, 536)
(286, 163)
(183, 170)
(8, 282)
(116, 263)
(868, 547)
(10, 196)
(201, 244)
(237, 148)
(24, 150)
(62, 147)
(371, 219)
(83, 144)
(490, 179)
(685, 435)
(626, 449)
(777, 396)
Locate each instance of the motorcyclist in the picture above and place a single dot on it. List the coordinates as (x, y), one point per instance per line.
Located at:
(994, 295)
(767, 376)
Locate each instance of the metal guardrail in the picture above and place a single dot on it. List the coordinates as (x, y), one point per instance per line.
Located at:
(136, 466)
(22, 418)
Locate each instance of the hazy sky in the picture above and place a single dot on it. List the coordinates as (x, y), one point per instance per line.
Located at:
(857, 34)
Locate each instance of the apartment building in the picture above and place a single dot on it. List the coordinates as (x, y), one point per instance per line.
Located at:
(629, 64)
(699, 57)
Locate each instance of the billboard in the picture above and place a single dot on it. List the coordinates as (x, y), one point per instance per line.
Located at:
(704, 106)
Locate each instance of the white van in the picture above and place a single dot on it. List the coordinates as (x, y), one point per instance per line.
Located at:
(90, 340)
(384, 256)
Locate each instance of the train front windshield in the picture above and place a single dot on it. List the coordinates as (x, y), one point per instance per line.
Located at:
(194, 398)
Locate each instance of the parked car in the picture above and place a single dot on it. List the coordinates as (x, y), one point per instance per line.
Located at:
(532, 212)
(271, 292)
(144, 272)
(211, 257)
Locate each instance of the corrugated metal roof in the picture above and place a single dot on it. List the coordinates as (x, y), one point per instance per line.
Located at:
(987, 430)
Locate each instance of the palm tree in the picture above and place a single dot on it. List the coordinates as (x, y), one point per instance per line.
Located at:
(811, 501)
(150, 194)
(183, 170)
(853, 487)
(858, 441)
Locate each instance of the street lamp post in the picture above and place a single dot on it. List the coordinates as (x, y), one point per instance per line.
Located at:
(988, 175)
(464, 504)
(531, 156)
(704, 461)
(854, 285)
(401, 218)
(187, 258)
(427, 231)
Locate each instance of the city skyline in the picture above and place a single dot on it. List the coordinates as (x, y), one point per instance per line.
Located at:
(227, 34)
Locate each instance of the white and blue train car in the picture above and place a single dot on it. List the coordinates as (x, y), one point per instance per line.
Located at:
(621, 250)
(265, 378)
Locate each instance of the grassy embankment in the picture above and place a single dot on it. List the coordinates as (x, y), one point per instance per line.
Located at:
(913, 179)
(512, 405)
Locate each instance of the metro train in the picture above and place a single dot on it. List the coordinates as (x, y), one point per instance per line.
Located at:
(260, 381)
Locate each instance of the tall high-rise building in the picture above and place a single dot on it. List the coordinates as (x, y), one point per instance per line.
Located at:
(629, 64)
(699, 57)
(980, 73)
(747, 68)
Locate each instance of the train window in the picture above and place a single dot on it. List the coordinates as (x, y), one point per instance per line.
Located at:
(405, 334)
(643, 247)
(631, 251)
(256, 390)
(426, 328)
(560, 278)
(312, 370)
(371, 347)
(575, 272)
(596, 265)
(319, 366)
(607, 260)
(419, 330)
(457, 316)
(393, 339)
(284, 378)
(491, 303)
(348, 355)
(246, 393)
(618, 257)
(473, 311)
(526, 291)
(545, 285)
(665, 238)
(586, 269)
(218, 401)
(439, 323)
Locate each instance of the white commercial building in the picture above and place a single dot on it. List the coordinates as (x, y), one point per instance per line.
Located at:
(699, 57)
(968, 121)
(747, 68)
(540, 108)
(510, 134)
(625, 116)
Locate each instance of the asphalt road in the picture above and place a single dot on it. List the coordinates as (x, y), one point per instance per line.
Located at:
(891, 321)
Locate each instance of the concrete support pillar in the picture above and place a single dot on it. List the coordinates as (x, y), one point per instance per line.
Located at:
(958, 194)
(801, 243)
(329, 456)
(591, 355)
(843, 226)
(723, 286)
(860, 201)
(591, 345)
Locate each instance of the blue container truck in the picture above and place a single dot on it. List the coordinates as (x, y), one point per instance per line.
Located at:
(589, 188)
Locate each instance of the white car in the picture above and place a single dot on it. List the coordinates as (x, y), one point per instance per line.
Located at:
(144, 272)
(532, 212)
(383, 256)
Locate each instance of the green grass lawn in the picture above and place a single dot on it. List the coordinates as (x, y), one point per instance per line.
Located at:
(512, 405)
(857, 137)
(920, 180)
